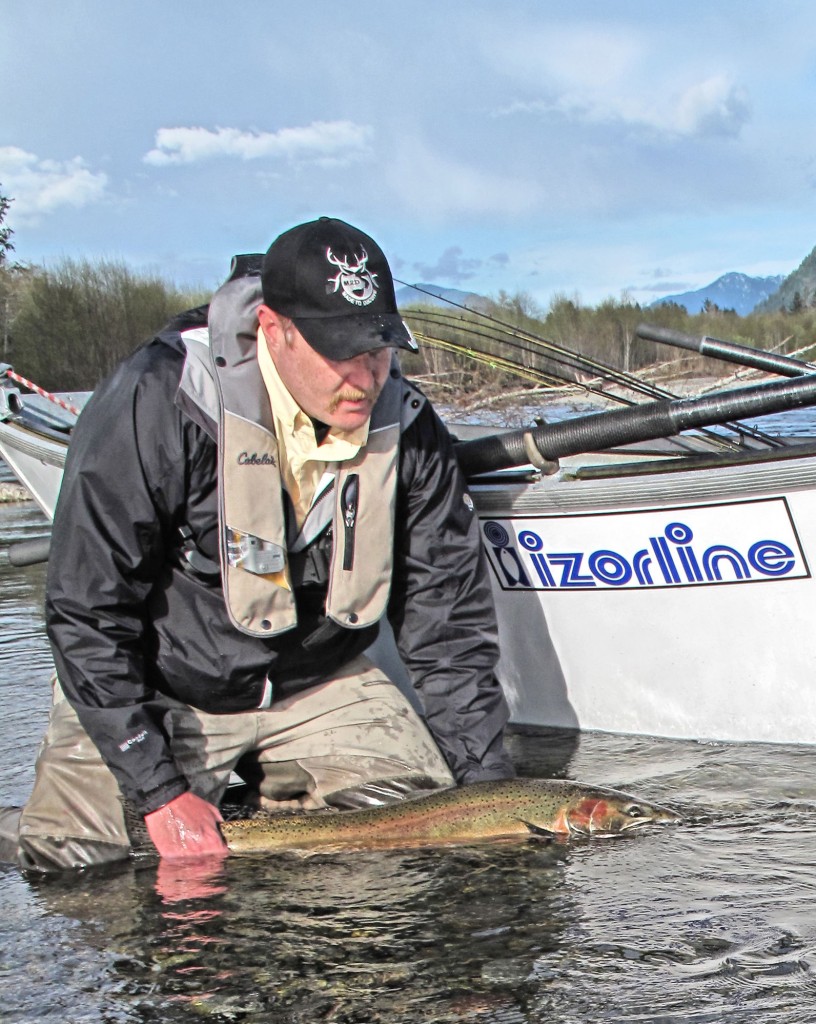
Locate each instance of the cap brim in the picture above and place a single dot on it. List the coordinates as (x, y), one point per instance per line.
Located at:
(344, 337)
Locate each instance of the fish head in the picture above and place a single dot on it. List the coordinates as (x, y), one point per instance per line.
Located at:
(598, 812)
(608, 814)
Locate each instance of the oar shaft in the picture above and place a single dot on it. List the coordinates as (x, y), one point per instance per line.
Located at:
(729, 351)
(645, 422)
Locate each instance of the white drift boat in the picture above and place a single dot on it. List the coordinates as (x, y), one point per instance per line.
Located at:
(665, 590)
(34, 432)
(671, 597)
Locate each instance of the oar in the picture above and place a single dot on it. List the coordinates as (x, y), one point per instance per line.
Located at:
(645, 422)
(29, 552)
(729, 351)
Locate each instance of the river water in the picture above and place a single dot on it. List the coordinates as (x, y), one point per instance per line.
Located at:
(709, 921)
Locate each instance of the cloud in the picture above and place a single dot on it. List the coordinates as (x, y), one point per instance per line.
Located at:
(713, 107)
(603, 75)
(451, 266)
(39, 186)
(667, 287)
(661, 280)
(333, 141)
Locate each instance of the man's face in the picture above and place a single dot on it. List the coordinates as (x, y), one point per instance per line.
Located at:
(340, 393)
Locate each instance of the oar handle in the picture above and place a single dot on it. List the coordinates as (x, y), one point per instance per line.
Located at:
(729, 351)
(29, 552)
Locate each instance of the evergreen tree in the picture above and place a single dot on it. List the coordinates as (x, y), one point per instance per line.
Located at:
(797, 303)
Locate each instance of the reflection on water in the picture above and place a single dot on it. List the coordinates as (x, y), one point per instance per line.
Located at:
(427, 936)
(709, 921)
(25, 661)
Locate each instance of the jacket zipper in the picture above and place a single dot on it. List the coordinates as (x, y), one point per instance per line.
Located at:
(349, 499)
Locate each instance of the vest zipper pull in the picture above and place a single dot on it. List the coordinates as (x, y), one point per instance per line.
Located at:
(349, 498)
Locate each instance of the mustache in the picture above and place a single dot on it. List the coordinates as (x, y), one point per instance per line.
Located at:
(354, 395)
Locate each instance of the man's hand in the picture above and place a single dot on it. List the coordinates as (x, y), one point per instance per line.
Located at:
(187, 826)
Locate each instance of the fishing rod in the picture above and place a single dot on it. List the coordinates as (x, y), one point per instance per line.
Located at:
(728, 351)
(576, 361)
(527, 373)
(635, 423)
(533, 349)
(511, 336)
(501, 359)
(544, 380)
(559, 354)
(547, 443)
(487, 357)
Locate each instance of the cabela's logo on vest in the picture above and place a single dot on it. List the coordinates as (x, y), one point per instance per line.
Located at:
(256, 459)
(355, 282)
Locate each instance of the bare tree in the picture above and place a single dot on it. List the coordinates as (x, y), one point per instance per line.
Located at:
(6, 245)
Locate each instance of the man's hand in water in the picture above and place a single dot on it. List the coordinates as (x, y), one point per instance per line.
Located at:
(186, 827)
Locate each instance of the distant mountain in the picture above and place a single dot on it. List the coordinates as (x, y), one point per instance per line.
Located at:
(410, 296)
(731, 291)
(801, 282)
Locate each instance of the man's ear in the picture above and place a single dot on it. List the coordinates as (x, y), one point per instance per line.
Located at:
(272, 325)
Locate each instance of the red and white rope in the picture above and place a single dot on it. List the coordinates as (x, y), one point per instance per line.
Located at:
(41, 391)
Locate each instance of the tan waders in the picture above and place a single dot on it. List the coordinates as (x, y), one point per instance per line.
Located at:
(352, 741)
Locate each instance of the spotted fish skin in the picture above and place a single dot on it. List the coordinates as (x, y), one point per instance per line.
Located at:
(506, 809)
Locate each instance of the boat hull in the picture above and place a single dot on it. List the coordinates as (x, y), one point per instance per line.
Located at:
(663, 602)
(37, 462)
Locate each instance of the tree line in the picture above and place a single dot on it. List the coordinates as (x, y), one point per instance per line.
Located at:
(601, 334)
(65, 327)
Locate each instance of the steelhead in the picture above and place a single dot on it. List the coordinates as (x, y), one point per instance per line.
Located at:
(511, 808)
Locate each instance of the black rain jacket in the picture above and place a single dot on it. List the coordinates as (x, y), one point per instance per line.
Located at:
(128, 621)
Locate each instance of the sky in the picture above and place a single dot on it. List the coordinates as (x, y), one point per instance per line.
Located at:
(599, 149)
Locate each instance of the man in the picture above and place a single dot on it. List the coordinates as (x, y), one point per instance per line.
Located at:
(245, 499)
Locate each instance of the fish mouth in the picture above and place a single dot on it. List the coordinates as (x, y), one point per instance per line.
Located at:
(652, 816)
(638, 823)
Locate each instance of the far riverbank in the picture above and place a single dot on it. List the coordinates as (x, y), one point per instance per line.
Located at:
(13, 492)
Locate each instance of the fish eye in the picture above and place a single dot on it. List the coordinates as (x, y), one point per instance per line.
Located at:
(635, 811)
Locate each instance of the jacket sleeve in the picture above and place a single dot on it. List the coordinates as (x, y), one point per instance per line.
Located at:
(441, 606)
(111, 525)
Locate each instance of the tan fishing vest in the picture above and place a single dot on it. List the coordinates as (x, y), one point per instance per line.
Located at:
(254, 545)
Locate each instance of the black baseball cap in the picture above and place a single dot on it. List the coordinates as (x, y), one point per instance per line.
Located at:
(334, 283)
